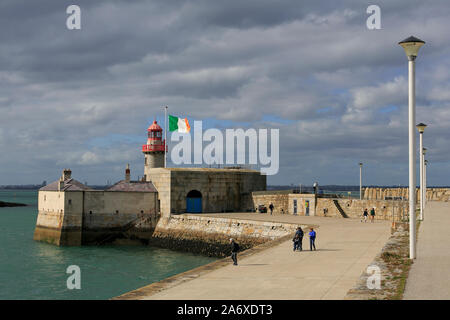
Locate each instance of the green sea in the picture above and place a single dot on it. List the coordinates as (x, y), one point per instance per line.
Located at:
(35, 270)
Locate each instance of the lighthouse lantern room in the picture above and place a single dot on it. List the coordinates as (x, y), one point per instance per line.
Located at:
(154, 149)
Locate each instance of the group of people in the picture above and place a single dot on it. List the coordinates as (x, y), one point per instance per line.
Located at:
(263, 209)
(366, 214)
(298, 239)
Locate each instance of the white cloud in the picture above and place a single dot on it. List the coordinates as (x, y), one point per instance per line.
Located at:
(389, 93)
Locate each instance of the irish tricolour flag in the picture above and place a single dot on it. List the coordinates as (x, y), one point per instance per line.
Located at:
(179, 124)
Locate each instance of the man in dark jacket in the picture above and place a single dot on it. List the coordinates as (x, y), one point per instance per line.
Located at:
(299, 233)
(234, 251)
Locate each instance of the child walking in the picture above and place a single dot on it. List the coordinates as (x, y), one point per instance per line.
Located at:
(296, 241)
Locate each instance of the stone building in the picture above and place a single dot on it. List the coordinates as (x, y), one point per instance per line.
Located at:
(71, 213)
(196, 190)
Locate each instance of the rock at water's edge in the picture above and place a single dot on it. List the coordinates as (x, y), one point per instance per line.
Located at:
(11, 204)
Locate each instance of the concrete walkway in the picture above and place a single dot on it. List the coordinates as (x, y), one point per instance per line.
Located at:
(345, 248)
(429, 277)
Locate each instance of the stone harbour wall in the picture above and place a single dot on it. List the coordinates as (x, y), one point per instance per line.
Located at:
(308, 204)
(210, 236)
(283, 202)
(354, 208)
(280, 200)
(433, 194)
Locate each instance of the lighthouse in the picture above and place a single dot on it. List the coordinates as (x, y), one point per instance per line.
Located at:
(154, 149)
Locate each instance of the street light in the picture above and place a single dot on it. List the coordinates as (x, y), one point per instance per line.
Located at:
(411, 46)
(421, 128)
(360, 180)
(425, 179)
(315, 186)
(424, 191)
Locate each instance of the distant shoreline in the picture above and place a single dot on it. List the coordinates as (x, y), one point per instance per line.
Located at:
(11, 204)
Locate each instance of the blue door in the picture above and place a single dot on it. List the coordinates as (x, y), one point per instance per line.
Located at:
(194, 205)
(194, 202)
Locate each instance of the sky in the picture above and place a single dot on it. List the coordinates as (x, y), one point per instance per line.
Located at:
(337, 91)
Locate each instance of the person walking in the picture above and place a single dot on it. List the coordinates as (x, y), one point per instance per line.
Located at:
(365, 214)
(299, 233)
(372, 215)
(296, 241)
(234, 250)
(312, 239)
(271, 208)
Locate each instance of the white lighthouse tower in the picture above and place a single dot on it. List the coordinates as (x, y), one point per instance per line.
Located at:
(154, 149)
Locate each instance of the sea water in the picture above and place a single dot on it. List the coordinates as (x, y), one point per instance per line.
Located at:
(36, 270)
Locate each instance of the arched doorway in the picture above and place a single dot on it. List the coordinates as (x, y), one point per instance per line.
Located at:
(194, 202)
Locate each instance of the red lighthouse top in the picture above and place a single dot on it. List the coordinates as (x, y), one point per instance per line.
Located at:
(154, 141)
(154, 127)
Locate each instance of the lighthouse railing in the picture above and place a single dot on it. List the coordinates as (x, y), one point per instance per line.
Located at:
(150, 148)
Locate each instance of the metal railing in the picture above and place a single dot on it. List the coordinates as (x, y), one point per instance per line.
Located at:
(150, 147)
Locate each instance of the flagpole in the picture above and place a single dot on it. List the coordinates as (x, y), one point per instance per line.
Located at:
(165, 137)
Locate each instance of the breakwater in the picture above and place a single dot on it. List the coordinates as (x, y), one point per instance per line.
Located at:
(432, 194)
(210, 236)
(11, 204)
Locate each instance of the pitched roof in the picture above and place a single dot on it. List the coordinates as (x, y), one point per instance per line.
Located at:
(69, 185)
(411, 39)
(133, 186)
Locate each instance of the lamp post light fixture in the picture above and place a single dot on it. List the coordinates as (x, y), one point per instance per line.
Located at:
(421, 128)
(360, 180)
(315, 186)
(411, 46)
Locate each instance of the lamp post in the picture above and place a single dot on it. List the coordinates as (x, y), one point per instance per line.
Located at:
(411, 46)
(421, 128)
(360, 180)
(425, 179)
(423, 186)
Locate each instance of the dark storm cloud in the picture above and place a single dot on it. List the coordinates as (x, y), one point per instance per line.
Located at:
(341, 88)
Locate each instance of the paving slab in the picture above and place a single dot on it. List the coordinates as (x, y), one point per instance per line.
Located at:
(429, 277)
